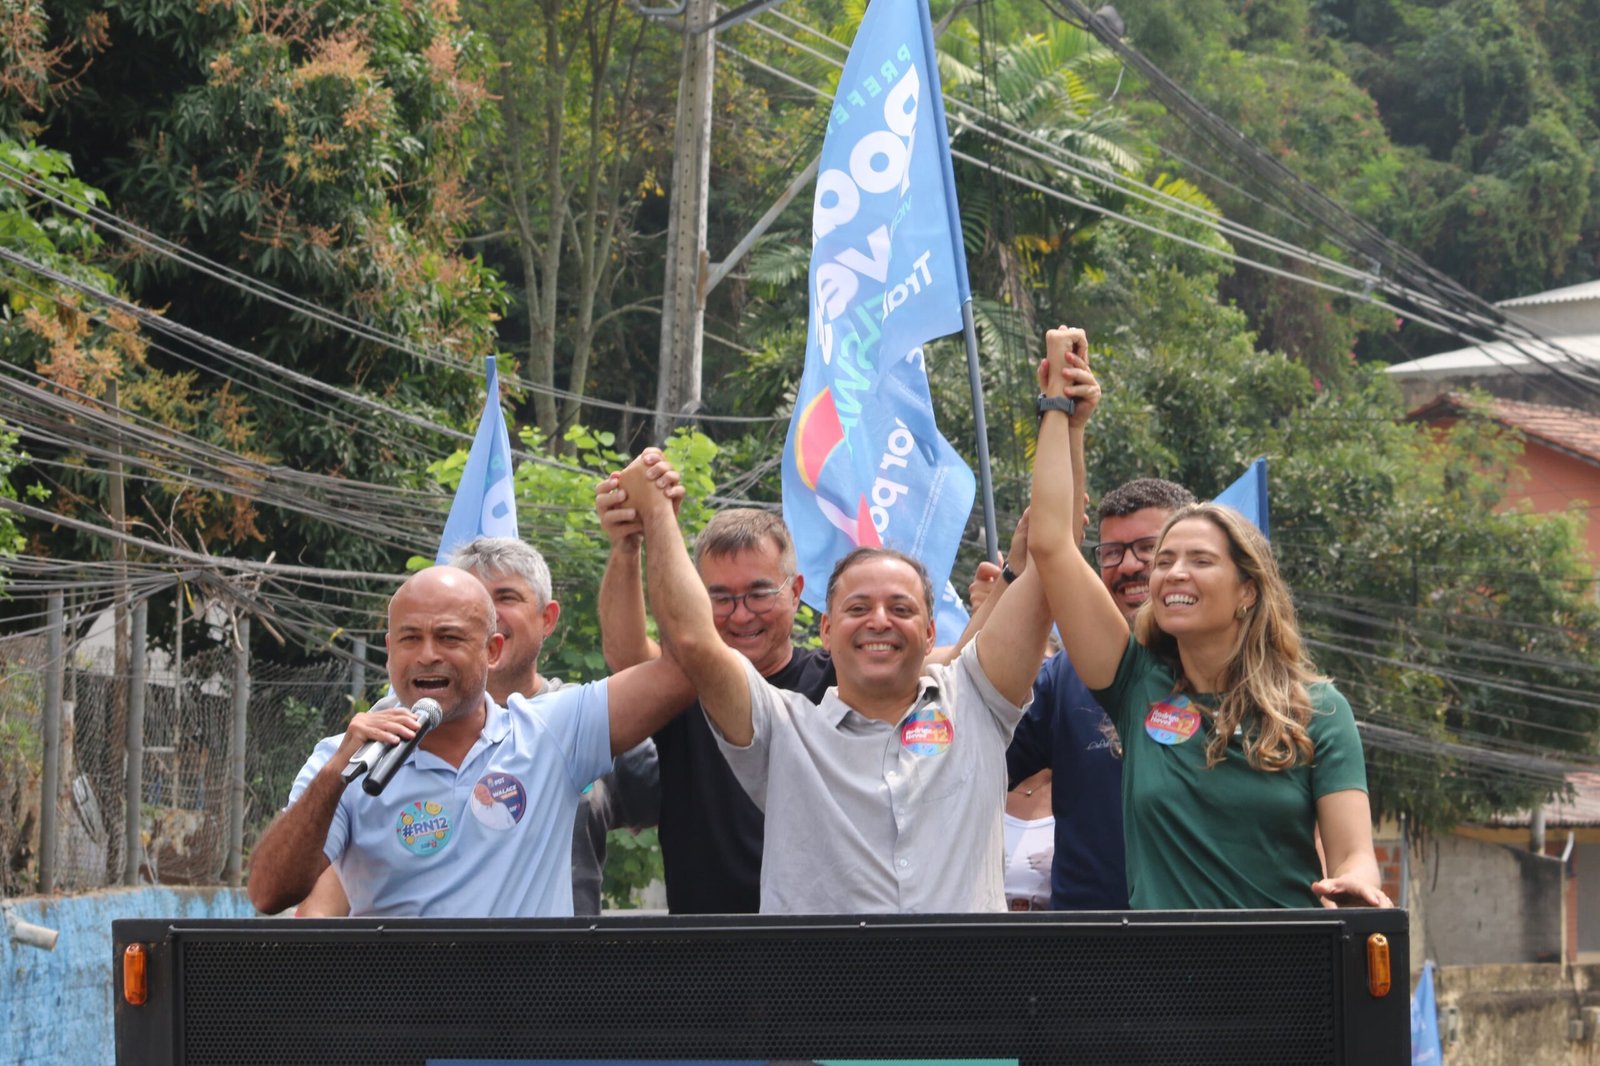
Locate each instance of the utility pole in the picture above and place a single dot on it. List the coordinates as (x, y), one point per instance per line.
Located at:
(116, 755)
(50, 786)
(233, 870)
(683, 303)
(133, 799)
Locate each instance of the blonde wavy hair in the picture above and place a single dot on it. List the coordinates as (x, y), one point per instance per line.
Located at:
(1264, 682)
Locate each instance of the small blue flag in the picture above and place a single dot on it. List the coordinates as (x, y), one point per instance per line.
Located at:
(864, 464)
(1248, 495)
(485, 504)
(1426, 1049)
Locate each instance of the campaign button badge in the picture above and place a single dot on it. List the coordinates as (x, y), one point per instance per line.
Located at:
(927, 731)
(424, 827)
(498, 801)
(1172, 721)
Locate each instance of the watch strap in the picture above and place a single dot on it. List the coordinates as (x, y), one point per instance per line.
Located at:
(1065, 404)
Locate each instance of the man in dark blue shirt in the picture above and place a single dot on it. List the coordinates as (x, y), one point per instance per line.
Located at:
(1066, 731)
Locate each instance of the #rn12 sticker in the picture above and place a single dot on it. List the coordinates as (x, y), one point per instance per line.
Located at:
(927, 731)
(424, 827)
(1172, 721)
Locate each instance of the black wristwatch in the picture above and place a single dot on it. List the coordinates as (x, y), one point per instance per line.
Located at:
(1009, 574)
(1065, 404)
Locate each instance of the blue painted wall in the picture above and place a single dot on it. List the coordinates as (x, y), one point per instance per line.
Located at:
(55, 1006)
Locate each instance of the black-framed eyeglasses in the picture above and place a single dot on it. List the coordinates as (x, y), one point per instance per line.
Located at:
(756, 601)
(1110, 552)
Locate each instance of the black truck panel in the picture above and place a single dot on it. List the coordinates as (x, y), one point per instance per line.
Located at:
(1230, 988)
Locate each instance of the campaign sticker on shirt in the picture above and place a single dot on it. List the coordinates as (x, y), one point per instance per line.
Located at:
(927, 731)
(1172, 721)
(498, 801)
(424, 827)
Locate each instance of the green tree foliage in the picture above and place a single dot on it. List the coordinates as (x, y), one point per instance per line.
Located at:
(21, 763)
(1465, 129)
(1502, 192)
(42, 232)
(633, 861)
(583, 97)
(38, 68)
(96, 357)
(322, 148)
(1042, 90)
(11, 539)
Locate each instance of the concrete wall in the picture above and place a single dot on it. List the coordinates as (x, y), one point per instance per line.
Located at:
(1520, 1015)
(1487, 903)
(55, 1006)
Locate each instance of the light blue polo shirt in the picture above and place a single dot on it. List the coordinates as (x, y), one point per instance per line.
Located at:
(435, 844)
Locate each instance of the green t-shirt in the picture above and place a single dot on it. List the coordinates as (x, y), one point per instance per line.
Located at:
(1231, 836)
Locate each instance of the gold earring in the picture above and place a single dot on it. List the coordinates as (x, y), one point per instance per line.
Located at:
(1240, 611)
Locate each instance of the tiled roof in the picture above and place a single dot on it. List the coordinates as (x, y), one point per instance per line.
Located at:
(1581, 810)
(1564, 428)
(1588, 290)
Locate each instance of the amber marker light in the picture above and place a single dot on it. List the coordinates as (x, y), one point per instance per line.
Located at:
(1378, 976)
(135, 978)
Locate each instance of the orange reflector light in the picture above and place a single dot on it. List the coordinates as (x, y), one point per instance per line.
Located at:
(1378, 979)
(135, 985)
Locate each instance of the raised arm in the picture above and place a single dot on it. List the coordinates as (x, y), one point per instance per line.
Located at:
(644, 698)
(624, 639)
(683, 612)
(1012, 643)
(989, 583)
(1092, 629)
(984, 594)
(288, 859)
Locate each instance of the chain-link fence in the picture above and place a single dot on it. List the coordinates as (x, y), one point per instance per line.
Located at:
(185, 793)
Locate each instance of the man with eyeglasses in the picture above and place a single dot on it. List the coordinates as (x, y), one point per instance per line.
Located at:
(711, 832)
(1066, 731)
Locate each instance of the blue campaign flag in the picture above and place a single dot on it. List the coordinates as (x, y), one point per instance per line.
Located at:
(864, 463)
(1426, 1049)
(1248, 495)
(484, 505)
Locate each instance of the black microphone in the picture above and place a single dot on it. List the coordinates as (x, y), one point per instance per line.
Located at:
(429, 714)
(367, 756)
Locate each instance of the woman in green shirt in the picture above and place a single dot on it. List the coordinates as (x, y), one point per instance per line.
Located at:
(1236, 753)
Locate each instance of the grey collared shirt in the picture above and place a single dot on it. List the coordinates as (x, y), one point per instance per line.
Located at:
(867, 817)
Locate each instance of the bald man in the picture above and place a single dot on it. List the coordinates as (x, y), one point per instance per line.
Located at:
(478, 820)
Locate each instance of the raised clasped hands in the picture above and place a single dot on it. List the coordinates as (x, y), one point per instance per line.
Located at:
(1064, 371)
(626, 498)
(622, 499)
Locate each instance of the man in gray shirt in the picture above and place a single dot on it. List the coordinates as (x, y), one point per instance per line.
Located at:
(888, 795)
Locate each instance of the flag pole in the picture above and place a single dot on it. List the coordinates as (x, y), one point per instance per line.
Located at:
(969, 329)
(969, 332)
